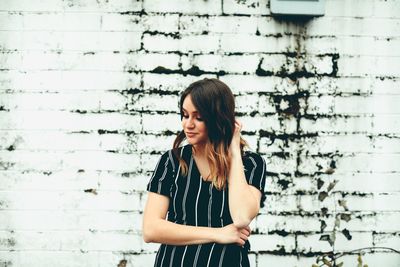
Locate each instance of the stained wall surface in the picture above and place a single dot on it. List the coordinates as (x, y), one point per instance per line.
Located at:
(88, 102)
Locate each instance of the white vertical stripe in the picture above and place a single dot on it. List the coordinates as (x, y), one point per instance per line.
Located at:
(209, 257)
(197, 201)
(162, 177)
(210, 205)
(197, 255)
(172, 257)
(186, 191)
(158, 254)
(155, 170)
(221, 259)
(240, 254)
(262, 175)
(183, 257)
(162, 259)
(252, 172)
(176, 185)
(222, 207)
(171, 159)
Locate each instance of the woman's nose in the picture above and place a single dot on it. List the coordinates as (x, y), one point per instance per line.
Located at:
(190, 123)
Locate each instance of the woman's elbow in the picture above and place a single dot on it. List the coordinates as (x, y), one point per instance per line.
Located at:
(241, 222)
(148, 234)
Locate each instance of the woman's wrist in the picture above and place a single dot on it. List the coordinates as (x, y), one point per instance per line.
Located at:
(235, 152)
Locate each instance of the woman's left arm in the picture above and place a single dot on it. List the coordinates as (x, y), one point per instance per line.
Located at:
(244, 199)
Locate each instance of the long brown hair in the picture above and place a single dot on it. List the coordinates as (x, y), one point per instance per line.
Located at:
(216, 105)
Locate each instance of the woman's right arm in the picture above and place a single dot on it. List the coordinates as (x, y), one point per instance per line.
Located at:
(157, 229)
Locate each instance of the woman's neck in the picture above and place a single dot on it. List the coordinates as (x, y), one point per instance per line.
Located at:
(199, 150)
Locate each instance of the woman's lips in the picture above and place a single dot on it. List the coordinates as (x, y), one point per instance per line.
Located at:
(190, 134)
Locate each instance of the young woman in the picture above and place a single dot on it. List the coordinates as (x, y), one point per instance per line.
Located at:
(203, 195)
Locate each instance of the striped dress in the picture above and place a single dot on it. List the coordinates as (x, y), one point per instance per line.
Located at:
(194, 201)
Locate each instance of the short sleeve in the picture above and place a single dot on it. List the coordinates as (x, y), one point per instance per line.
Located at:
(254, 170)
(163, 175)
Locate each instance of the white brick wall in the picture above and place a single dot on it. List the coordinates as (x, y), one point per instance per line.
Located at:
(88, 101)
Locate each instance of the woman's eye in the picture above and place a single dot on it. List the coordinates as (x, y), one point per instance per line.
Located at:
(199, 119)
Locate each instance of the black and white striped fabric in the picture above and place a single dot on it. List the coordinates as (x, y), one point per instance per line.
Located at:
(196, 202)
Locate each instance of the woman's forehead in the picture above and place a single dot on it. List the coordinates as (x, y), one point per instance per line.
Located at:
(188, 105)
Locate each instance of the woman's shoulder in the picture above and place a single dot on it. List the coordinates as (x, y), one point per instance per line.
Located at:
(249, 155)
(174, 154)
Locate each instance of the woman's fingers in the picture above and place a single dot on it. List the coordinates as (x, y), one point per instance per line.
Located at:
(244, 237)
(245, 231)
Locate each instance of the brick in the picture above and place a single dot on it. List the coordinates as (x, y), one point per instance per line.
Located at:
(246, 43)
(366, 182)
(14, 180)
(385, 123)
(165, 23)
(85, 240)
(25, 5)
(103, 6)
(368, 65)
(345, 144)
(71, 80)
(50, 140)
(390, 240)
(148, 143)
(149, 61)
(60, 120)
(376, 202)
(158, 123)
(75, 200)
(173, 83)
(268, 25)
(381, 27)
(101, 61)
(344, 45)
(254, 7)
(251, 84)
(360, 8)
(361, 162)
(232, 24)
(59, 220)
(279, 203)
(184, 7)
(189, 24)
(266, 104)
(288, 223)
(390, 259)
(349, 85)
(283, 260)
(84, 101)
(319, 64)
(246, 103)
(95, 160)
(149, 102)
(278, 63)
(272, 242)
(385, 221)
(243, 64)
(311, 242)
(189, 43)
(75, 41)
(52, 258)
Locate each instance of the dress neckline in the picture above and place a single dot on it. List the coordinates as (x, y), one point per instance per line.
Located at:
(197, 168)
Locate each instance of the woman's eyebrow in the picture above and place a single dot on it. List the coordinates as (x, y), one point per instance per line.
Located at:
(192, 112)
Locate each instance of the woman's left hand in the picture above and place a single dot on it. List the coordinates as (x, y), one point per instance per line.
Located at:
(234, 148)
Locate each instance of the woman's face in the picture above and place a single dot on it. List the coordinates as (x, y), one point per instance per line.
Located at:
(192, 123)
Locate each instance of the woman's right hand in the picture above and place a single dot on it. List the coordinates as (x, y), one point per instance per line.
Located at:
(231, 234)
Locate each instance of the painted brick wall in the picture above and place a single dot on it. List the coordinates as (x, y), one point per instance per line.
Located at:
(88, 101)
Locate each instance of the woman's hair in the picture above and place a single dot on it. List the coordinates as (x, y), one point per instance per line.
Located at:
(216, 105)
